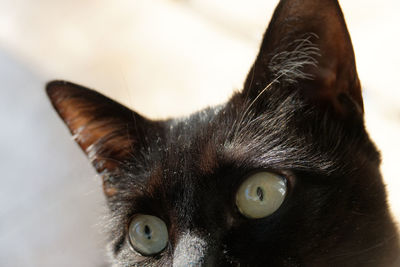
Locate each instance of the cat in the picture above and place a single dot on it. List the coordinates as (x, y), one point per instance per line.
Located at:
(283, 174)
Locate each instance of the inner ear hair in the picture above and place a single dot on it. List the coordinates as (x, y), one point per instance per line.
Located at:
(307, 45)
(108, 132)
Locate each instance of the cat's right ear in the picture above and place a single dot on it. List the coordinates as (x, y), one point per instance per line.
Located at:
(108, 132)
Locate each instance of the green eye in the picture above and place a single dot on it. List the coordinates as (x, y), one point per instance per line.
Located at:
(148, 234)
(261, 195)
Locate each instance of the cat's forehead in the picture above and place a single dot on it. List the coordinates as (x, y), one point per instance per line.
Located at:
(239, 133)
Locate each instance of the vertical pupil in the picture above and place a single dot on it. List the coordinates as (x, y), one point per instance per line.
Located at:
(147, 231)
(260, 193)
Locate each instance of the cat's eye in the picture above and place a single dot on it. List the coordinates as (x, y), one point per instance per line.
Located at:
(261, 194)
(148, 234)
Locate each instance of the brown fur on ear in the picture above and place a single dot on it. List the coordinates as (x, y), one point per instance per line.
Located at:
(108, 132)
(308, 41)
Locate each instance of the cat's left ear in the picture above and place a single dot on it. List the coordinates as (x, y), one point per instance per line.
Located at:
(307, 44)
(108, 132)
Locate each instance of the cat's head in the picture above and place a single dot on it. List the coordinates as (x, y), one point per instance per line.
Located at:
(283, 174)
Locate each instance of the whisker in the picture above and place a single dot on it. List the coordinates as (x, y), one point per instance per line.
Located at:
(287, 65)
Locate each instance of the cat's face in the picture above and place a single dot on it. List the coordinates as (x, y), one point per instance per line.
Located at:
(283, 174)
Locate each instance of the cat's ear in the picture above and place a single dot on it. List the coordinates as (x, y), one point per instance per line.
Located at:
(307, 44)
(108, 132)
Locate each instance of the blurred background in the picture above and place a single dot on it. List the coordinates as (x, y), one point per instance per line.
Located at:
(161, 57)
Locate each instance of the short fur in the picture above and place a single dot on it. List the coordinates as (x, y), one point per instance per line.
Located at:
(300, 114)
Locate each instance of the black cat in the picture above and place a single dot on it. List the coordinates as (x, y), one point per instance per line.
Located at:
(284, 174)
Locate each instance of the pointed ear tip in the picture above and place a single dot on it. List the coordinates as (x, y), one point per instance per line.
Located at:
(55, 86)
(59, 89)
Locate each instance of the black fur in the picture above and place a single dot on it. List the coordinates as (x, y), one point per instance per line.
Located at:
(290, 119)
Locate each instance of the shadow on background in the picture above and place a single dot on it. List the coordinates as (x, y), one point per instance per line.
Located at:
(49, 198)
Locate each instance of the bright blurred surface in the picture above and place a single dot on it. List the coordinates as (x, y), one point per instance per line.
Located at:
(162, 58)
